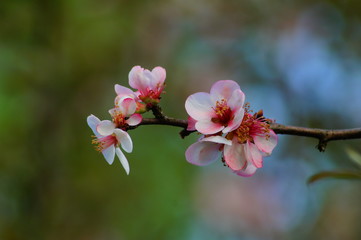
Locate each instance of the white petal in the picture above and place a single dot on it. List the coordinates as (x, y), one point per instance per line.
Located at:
(159, 75)
(123, 160)
(217, 139)
(127, 106)
(123, 91)
(203, 153)
(265, 144)
(254, 154)
(236, 100)
(105, 127)
(124, 140)
(235, 122)
(134, 120)
(147, 79)
(234, 155)
(93, 121)
(109, 154)
(208, 127)
(223, 89)
(134, 77)
(247, 172)
(199, 106)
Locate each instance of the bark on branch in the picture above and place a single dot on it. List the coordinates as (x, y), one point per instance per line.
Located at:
(323, 135)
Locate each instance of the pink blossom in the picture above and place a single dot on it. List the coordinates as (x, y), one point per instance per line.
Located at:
(206, 150)
(242, 149)
(108, 138)
(219, 110)
(123, 114)
(251, 141)
(150, 84)
(127, 92)
(110, 134)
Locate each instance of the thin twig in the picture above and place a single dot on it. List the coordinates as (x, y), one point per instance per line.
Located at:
(323, 135)
(157, 111)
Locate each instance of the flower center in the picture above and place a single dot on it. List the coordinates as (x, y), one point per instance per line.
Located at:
(251, 126)
(150, 95)
(104, 142)
(223, 113)
(119, 119)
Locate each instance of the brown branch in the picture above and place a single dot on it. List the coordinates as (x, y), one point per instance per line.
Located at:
(323, 135)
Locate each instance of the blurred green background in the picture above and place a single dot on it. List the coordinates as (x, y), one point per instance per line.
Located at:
(299, 61)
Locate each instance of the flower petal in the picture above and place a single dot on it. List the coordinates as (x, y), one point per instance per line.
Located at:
(235, 155)
(202, 153)
(134, 119)
(123, 91)
(235, 122)
(199, 106)
(254, 154)
(123, 160)
(109, 154)
(105, 128)
(217, 139)
(223, 89)
(135, 77)
(159, 75)
(191, 124)
(247, 172)
(236, 100)
(93, 121)
(124, 139)
(266, 144)
(208, 127)
(127, 106)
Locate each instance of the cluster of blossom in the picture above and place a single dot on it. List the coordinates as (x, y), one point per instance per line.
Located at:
(228, 129)
(227, 126)
(129, 105)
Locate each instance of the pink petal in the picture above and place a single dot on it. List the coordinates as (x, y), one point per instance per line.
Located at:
(223, 89)
(236, 100)
(235, 122)
(147, 79)
(113, 112)
(123, 160)
(247, 172)
(265, 144)
(234, 155)
(254, 154)
(136, 78)
(105, 128)
(208, 127)
(202, 153)
(109, 154)
(159, 75)
(124, 139)
(93, 121)
(217, 139)
(134, 119)
(123, 91)
(199, 106)
(127, 106)
(191, 124)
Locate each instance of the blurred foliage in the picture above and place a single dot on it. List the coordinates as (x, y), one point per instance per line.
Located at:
(59, 60)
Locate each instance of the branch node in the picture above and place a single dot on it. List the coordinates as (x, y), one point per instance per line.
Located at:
(184, 133)
(322, 144)
(157, 112)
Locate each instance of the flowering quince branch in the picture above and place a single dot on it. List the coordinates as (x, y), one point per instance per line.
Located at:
(323, 135)
(228, 128)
